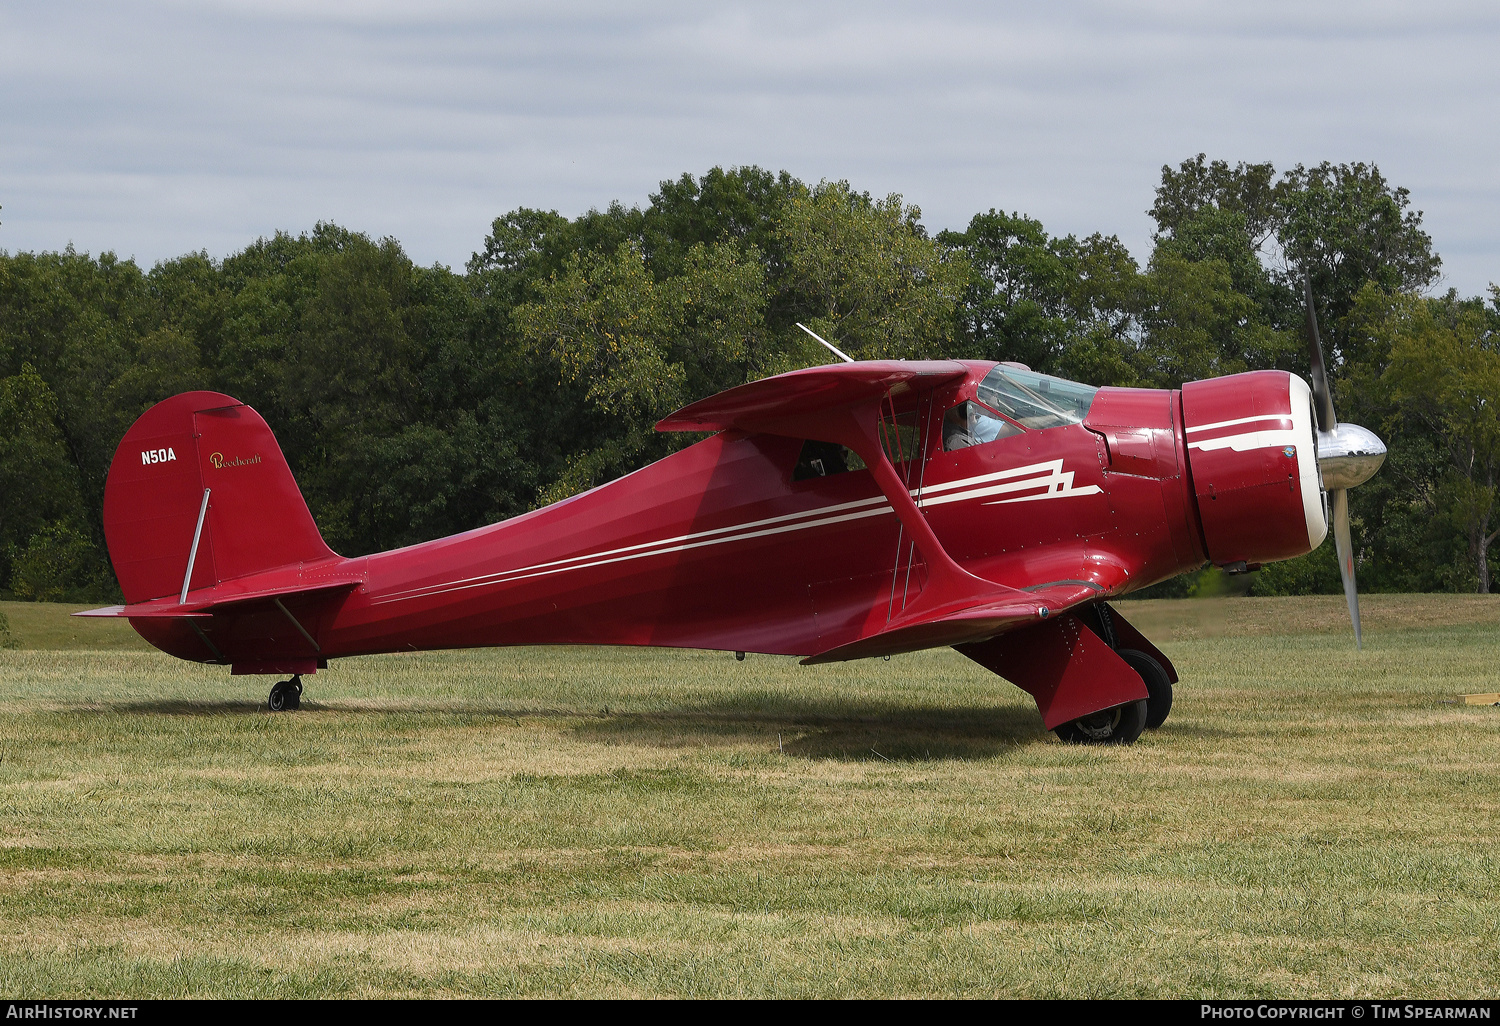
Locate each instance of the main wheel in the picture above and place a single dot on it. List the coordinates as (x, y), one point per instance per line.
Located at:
(1118, 726)
(1158, 685)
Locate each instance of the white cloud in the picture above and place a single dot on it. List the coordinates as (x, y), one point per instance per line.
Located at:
(153, 129)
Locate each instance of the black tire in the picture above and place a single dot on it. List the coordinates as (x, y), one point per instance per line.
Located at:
(285, 694)
(1158, 685)
(1118, 726)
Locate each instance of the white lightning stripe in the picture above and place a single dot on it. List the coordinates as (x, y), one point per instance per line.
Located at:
(501, 574)
(712, 541)
(1058, 493)
(547, 569)
(1248, 440)
(986, 478)
(1241, 420)
(1057, 484)
(751, 526)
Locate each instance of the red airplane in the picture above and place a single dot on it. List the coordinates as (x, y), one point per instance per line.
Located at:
(839, 512)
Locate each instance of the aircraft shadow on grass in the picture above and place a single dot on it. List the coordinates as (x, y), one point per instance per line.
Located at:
(853, 732)
(174, 707)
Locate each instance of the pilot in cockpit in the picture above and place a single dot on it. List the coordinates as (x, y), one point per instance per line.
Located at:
(968, 424)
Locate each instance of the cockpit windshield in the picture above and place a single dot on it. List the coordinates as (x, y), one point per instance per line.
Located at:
(1035, 400)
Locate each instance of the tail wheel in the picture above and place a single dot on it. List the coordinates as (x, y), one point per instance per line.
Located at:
(1118, 726)
(285, 694)
(1158, 685)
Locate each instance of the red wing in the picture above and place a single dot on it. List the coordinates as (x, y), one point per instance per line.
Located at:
(759, 405)
(1007, 610)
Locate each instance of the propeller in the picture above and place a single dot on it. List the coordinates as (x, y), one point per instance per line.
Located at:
(1348, 455)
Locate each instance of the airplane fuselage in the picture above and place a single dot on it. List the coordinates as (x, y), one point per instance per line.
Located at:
(732, 543)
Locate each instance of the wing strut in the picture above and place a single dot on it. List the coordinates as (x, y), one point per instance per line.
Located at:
(950, 587)
(297, 624)
(893, 439)
(193, 623)
(843, 404)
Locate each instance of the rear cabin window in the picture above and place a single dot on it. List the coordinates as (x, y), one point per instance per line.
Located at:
(900, 438)
(1036, 400)
(824, 459)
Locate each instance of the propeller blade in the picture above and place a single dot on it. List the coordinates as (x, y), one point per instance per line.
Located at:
(1338, 502)
(1322, 395)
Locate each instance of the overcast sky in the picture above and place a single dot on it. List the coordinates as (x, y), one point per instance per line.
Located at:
(153, 129)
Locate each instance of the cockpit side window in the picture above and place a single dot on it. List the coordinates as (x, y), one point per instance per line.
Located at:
(969, 423)
(1036, 400)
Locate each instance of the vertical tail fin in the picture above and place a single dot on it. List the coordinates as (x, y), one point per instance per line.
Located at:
(186, 447)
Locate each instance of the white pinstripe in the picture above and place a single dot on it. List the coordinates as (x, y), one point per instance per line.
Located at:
(1058, 485)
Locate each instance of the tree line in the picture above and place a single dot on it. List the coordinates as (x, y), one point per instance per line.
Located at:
(414, 402)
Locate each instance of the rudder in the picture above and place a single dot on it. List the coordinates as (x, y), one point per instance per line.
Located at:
(182, 447)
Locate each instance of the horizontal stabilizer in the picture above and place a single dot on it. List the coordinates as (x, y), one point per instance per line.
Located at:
(974, 623)
(759, 405)
(208, 601)
(147, 610)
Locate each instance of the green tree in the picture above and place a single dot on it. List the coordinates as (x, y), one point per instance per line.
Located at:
(864, 274)
(1015, 304)
(524, 247)
(1343, 226)
(1059, 305)
(1245, 232)
(393, 389)
(1214, 306)
(740, 207)
(1198, 324)
(1444, 373)
(77, 319)
(38, 478)
(642, 348)
(59, 562)
(1200, 188)
(1104, 299)
(415, 402)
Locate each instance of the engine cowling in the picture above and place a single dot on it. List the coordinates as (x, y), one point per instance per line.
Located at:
(1254, 463)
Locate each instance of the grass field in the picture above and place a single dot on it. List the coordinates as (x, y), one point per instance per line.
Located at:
(1311, 821)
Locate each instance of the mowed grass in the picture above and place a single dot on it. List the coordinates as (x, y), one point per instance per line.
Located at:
(1311, 821)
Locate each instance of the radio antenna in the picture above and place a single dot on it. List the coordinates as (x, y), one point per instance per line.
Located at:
(831, 347)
